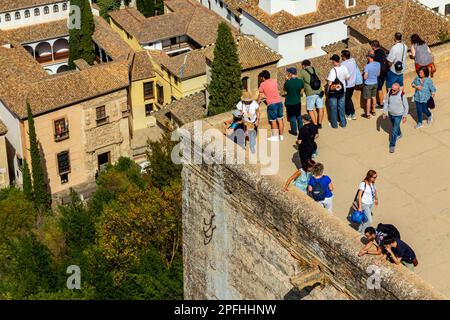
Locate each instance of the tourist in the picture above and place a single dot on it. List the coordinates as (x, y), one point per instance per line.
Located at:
(293, 87)
(306, 144)
(367, 197)
(268, 90)
(301, 177)
(314, 93)
(336, 92)
(397, 108)
(320, 187)
(235, 128)
(400, 252)
(421, 54)
(373, 245)
(397, 59)
(371, 73)
(423, 96)
(249, 109)
(350, 84)
(380, 56)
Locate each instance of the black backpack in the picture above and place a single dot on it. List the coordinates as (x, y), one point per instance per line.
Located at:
(314, 81)
(389, 231)
(318, 190)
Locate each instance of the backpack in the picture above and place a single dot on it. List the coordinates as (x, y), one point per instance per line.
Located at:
(387, 231)
(337, 87)
(314, 81)
(384, 64)
(318, 190)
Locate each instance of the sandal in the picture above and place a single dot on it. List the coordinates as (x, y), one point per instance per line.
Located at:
(367, 116)
(373, 113)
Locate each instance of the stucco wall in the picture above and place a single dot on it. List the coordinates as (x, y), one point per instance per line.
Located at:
(243, 238)
(4, 169)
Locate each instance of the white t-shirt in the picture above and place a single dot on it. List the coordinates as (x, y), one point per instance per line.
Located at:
(398, 52)
(248, 110)
(352, 68)
(369, 192)
(342, 74)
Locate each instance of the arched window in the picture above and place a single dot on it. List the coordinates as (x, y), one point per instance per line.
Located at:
(37, 12)
(46, 10)
(17, 15)
(64, 7)
(7, 17)
(55, 8)
(27, 13)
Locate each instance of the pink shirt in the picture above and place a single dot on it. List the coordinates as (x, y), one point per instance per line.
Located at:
(270, 90)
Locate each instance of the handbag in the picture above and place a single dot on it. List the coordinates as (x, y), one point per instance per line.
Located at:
(337, 87)
(355, 204)
(430, 103)
(358, 217)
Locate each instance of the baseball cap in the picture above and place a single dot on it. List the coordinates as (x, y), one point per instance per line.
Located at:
(292, 70)
(306, 117)
(237, 114)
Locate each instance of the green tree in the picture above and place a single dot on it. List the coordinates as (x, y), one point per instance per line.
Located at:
(87, 51)
(225, 88)
(108, 5)
(162, 170)
(27, 185)
(41, 197)
(150, 8)
(74, 39)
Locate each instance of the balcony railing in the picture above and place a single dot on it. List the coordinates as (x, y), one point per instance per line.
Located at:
(63, 135)
(102, 121)
(43, 59)
(61, 55)
(176, 46)
(57, 56)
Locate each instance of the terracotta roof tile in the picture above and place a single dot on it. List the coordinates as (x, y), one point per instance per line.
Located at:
(37, 32)
(327, 10)
(188, 109)
(11, 5)
(252, 52)
(403, 16)
(142, 66)
(110, 41)
(183, 66)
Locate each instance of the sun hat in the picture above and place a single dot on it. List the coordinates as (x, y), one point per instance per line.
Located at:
(246, 96)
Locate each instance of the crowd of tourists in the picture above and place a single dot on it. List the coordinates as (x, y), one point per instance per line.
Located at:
(381, 82)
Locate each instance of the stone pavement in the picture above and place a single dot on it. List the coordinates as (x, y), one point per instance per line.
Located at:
(413, 183)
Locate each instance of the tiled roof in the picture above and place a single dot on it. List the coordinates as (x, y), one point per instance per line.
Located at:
(109, 40)
(322, 64)
(188, 109)
(183, 66)
(252, 52)
(142, 66)
(188, 18)
(37, 32)
(327, 10)
(3, 128)
(11, 5)
(407, 17)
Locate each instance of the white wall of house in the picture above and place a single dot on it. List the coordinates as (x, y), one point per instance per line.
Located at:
(33, 19)
(222, 10)
(251, 26)
(153, 46)
(437, 4)
(294, 7)
(14, 137)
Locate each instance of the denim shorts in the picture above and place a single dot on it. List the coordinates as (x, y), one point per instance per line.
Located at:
(314, 101)
(275, 111)
(394, 78)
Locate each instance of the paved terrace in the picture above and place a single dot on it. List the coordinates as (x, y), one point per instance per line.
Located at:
(413, 183)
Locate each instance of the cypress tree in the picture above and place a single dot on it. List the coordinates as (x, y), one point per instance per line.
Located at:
(27, 186)
(74, 37)
(41, 196)
(87, 51)
(150, 8)
(225, 88)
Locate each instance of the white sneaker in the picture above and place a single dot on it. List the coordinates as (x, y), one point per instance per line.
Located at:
(430, 119)
(418, 126)
(281, 137)
(273, 138)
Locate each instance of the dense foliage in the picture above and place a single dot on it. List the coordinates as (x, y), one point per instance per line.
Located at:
(80, 39)
(225, 88)
(126, 239)
(150, 8)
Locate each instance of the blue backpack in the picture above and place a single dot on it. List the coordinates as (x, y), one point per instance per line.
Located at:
(318, 190)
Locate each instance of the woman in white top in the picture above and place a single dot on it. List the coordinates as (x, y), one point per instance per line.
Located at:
(250, 113)
(367, 197)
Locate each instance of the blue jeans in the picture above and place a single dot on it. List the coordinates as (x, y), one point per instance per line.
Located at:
(422, 108)
(367, 208)
(294, 120)
(337, 105)
(396, 132)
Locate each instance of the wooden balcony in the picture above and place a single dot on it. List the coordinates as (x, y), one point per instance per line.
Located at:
(44, 59)
(61, 55)
(56, 57)
(177, 46)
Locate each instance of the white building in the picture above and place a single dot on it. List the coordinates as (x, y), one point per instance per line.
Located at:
(298, 29)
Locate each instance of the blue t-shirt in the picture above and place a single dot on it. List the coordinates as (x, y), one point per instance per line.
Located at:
(373, 70)
(325, 182)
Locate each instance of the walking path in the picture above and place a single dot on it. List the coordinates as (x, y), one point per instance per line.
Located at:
(413, 183)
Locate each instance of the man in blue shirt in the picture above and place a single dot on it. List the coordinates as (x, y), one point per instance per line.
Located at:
(371, 73)
(400, 252)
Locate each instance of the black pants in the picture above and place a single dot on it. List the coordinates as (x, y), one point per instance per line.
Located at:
(349, 107)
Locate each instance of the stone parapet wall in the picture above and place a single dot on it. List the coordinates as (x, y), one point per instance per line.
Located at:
(243, 238)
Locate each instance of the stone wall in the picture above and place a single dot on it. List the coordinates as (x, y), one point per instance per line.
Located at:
(243, 238)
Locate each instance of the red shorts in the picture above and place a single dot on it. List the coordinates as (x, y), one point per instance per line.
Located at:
(419, 66)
